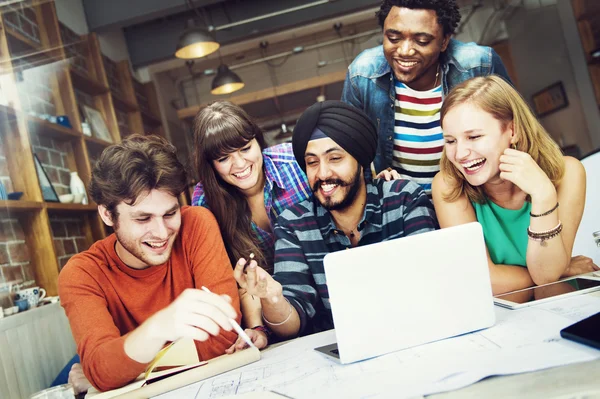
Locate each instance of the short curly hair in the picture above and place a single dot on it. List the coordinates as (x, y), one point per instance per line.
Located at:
(138, 164)
(447, 11)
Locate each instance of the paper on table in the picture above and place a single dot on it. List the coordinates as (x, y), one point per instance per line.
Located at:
(178, 353)
(576, 308)
(521, 341)
(218, 365)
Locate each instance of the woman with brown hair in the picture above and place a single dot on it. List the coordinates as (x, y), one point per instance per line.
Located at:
(246, 186)
(501, 168)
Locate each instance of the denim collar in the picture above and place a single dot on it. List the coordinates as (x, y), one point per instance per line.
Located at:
(446, 59)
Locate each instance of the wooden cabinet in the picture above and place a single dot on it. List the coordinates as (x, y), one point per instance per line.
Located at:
(46, 71)
(587, 14)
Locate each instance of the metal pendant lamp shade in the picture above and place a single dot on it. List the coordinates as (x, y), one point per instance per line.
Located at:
(226, 81)
(195, 42)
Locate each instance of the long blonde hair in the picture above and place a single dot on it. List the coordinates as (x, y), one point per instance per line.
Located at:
(495, 96)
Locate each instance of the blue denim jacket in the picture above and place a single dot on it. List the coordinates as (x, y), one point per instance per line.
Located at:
(369, 85)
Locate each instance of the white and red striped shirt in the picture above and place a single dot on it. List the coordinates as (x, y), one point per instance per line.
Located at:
(418, 139)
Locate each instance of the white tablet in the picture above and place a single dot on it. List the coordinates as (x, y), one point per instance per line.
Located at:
(549, 292)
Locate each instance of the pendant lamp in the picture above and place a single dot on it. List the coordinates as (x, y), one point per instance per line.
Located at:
(226, 81)
(195, 42)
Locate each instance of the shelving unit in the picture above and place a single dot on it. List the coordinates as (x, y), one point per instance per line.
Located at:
(48, 70)
(587, 13)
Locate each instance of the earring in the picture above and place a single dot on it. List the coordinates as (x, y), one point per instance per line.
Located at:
(513, 146)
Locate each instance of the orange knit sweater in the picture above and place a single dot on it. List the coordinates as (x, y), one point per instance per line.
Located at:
(104, 299)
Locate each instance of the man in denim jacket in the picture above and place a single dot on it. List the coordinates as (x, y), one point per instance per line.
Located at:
(426, 63)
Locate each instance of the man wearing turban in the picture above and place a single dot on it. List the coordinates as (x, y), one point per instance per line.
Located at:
(333, 143)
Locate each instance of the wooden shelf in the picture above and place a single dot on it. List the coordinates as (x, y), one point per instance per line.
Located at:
(54, 130)
(20, 206)
(97, 142)
(38, 75)
(7, 113)
(86, 83)
(123, 104)
(24, 48)
(22, 39)
(57, 206)
(593, 60)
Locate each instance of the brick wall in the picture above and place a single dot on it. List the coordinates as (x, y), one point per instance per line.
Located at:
(53, 156)
(15, 265)
(4, 175)
(33, 84)
(23, 19)
(69, 238)
(75, 48)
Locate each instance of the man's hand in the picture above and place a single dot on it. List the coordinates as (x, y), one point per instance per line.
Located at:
(77, 379)
(256, 281)
(388, 174)
(580, 265)
(259, 339)
(194, 314)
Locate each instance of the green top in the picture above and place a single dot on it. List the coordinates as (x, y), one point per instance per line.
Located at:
(505, 232)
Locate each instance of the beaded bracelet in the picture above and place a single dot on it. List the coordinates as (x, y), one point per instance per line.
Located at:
(545, 235)
(264, 329)
(280, 323)
(537, 215)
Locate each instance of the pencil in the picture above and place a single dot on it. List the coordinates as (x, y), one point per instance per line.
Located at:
(237, 327)
(251, 257)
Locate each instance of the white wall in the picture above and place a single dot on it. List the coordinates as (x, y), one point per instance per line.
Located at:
(541, 58)
(113, 44)
(71, 13)
(484, 26)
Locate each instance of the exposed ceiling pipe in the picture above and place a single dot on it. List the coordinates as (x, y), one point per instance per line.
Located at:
(181, 81)
(295, 50)
(272, 14)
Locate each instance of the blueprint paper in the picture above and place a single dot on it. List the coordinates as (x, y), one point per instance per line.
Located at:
(521, 341)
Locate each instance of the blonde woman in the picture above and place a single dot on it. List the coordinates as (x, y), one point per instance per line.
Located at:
(501, 168)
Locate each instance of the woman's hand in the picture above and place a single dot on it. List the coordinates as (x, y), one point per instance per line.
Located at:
(388, 174)
(259, 339)
(256, 281)
(580, 265)
(519, 168)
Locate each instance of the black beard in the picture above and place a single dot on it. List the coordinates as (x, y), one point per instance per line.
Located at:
(354, 185)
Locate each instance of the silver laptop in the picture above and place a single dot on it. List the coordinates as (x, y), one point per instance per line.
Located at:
(406, 292)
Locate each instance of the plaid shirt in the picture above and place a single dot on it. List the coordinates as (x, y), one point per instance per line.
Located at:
(306, 232)
(285, 185)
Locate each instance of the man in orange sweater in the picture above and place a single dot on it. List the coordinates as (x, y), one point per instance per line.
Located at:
(134, 291)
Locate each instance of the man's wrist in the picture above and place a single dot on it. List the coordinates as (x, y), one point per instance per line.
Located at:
(263, 329)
